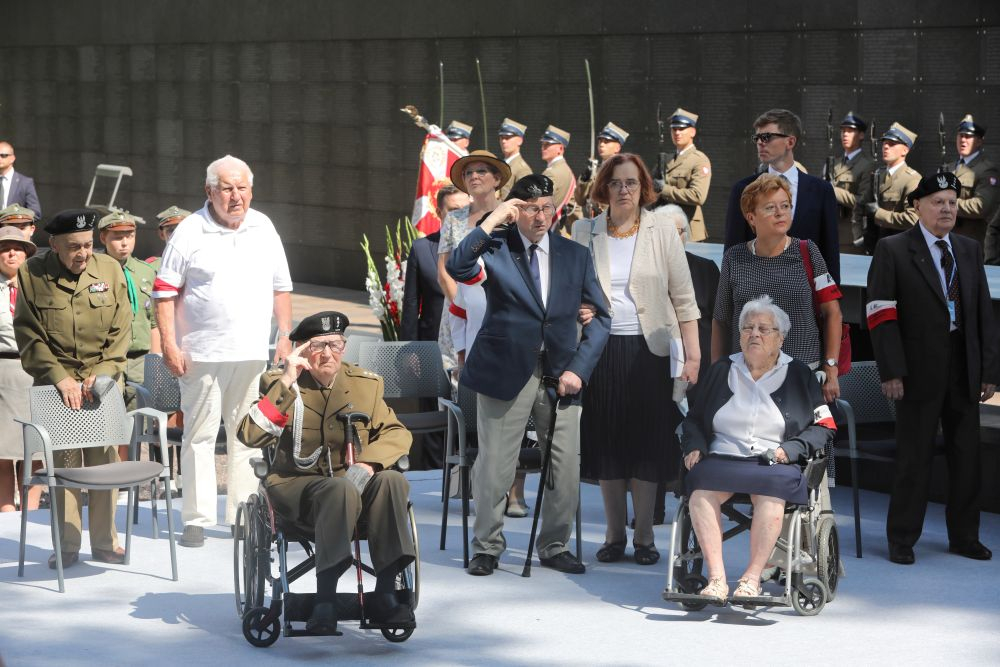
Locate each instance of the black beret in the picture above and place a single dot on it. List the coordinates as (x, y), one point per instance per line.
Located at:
(320, 324)
(531, 186)
(73, 220)
(935, 183)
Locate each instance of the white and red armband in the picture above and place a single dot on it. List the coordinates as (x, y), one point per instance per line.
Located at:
(878, 312)
(823, 417)
(826, 288)
(480, 277)
(266, 415)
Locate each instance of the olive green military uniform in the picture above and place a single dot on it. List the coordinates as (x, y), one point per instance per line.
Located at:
(308, 497)
(563, 184)
(852, 186)
(979, 198)
(585, 206)
(154, 263)
(895, 214)
(75, 326)
(519, 168)
(686, 184)
(142, 276)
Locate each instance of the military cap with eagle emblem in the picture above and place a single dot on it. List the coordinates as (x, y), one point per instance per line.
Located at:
(935, 183)
(531, 186)
(73, 220)
(320, 324)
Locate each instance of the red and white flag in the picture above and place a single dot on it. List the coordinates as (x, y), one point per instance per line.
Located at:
(436, 158)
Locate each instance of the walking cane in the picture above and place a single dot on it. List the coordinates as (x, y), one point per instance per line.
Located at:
(548, 383)
(350, 458)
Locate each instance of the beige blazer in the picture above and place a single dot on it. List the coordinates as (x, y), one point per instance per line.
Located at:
(659, 280)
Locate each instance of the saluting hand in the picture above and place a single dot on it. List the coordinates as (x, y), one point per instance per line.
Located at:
(504, 214)
(71, 393)
(295, 363)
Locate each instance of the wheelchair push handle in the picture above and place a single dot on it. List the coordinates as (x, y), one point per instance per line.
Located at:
(349, 419)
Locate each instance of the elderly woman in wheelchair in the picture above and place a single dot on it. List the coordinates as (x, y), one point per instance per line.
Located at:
(759, 416)
(326, 490)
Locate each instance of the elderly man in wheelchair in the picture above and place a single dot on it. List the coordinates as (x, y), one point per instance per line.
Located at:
(758, 420)
(326, 490)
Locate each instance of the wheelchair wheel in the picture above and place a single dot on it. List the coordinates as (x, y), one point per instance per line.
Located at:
(828, 556)
(411, 575)
(251, 554)
(812, 597)
(688, 545)
(692, 584)
(397, 635)
(257, 632)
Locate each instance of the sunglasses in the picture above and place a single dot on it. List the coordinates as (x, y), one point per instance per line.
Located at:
(766, 137)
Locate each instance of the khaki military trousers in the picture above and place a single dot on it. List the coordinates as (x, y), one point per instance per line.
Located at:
(101, 504)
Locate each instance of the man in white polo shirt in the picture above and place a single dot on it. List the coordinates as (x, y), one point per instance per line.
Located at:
(223, 273)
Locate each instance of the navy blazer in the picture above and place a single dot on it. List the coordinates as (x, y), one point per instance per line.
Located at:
(516, 322)
(22, 191)
(815, 218)
(422, 295)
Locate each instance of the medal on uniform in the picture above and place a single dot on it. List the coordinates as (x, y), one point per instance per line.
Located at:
(98, 287)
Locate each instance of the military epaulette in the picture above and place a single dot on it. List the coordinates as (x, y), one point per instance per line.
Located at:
(359, 372)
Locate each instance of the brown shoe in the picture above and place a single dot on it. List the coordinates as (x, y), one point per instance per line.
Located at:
(116, 557)
(68, 558)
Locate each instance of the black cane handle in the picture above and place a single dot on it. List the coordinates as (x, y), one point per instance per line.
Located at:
(349, 419)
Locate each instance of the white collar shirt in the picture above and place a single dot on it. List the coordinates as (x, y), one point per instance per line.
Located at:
(792, 176)
(850, 156)
(936, 256)
(543, 263)
(513, 157)
(750, 423)
(7, 342)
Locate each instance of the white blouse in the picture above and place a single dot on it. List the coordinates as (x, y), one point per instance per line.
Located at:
(625, 318)
(7, 342)
(750, 423)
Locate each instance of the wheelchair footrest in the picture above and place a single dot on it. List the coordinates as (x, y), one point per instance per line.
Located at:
(670, 596)
(760, 601)
(299, 606)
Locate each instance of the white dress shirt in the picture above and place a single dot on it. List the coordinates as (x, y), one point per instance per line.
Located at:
(792, 176)
(750, 423)
(936, 256)
(543, 263)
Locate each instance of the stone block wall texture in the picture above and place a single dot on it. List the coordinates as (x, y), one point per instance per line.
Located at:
(308, 92)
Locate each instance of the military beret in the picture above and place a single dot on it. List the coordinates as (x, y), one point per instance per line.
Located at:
(613, 133)
(683, 118)
(531, 186)
(172, 215)
(900, 135)
(320, 324)
(935, 183)
(117, 220)
(555, 135)
(512, 127)
(73, 220)
(14, 234)
(458, 130)
(17, 213)
(855, 121)
(970, 126)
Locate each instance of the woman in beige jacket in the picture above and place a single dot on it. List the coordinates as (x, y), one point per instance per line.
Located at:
(629, 418)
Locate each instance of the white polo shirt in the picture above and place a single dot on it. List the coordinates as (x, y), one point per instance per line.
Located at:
(225, 281)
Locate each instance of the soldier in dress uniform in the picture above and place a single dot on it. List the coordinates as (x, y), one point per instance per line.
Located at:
(18, 216)
(688, 175)
(891, 210)
(980, 179)
(459, 133)
(167, 221)
(311, 485)
(609, 142)
(511, 137)
(554, 143)
(852, 183)
(73, 323)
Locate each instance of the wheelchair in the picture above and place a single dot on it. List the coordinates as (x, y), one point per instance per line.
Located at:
(807, 553)
(261, 536)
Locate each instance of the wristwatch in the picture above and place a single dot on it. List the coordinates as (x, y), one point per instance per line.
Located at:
(284, 334)
(830, 362)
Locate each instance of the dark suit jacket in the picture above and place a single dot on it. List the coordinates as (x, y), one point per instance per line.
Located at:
(422, 295)
(22, 191)
(517, 323)
(909, 321)
(815, 218)
(705, 277)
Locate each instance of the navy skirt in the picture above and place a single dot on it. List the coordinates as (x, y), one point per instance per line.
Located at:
(716, 473)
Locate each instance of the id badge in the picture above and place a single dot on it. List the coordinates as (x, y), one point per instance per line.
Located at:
(951, 311)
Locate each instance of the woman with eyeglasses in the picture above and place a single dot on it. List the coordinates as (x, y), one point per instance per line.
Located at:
(629, 417)
(773, 263)
(758, 406)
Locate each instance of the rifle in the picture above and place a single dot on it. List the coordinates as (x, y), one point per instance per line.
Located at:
(944, 165)
(870, 225)
(482, 102)
(828, 165)
(588, 209)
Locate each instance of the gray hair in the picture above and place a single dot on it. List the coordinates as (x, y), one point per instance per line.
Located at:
(763, 305)
(212, 173)
(675, 214)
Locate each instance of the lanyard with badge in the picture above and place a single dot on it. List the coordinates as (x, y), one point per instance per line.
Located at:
(952, 316)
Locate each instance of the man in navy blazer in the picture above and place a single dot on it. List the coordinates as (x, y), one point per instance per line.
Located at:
(16, 188)
(536, 282)
(814, 205)
(423, 299)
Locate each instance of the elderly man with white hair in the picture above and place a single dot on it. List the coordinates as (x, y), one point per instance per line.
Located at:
(223, 273)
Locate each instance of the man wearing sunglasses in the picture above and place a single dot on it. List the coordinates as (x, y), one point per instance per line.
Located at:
(814, 206)
(16, 188)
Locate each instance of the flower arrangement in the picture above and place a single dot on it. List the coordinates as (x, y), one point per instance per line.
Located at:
(386, 298)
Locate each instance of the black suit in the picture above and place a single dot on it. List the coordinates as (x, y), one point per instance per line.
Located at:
(422, 295)
(705, 278)
(941, 372)
(815, 218)
(21, 190)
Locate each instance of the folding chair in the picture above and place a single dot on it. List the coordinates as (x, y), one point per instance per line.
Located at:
(352, 352)
(102, 423)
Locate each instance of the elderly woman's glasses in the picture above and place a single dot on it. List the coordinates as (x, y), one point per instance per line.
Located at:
(629, 184)
(317, 346)
(771, 209)
(481, 172)
(763, 330)
(533, 209)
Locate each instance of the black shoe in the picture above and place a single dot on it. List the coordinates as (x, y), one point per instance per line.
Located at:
(564, 561)
(483, 565)
(69, 559)
(385, 608)
(646, 554)
(974, 550)
(901, 554)
(194, 536)
(323, 620)
(611, 553)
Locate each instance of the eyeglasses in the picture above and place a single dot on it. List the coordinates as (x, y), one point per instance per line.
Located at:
(629, 184)
(759, 328)
(771, 209)
(766, 137)
(533, 210)
(481, 172)
(316, 346)
(6, 155)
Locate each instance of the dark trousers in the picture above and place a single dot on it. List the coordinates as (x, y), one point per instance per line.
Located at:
(916, 430)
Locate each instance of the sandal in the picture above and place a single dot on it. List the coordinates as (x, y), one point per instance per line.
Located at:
(746, 589)
(611, 553)
(716, 589)
(646, 554)
(515, 510)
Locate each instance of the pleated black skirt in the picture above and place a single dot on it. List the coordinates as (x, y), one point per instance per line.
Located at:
(628, 420)
(781, 480)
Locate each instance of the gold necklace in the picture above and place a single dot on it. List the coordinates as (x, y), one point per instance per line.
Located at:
(631, 231)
